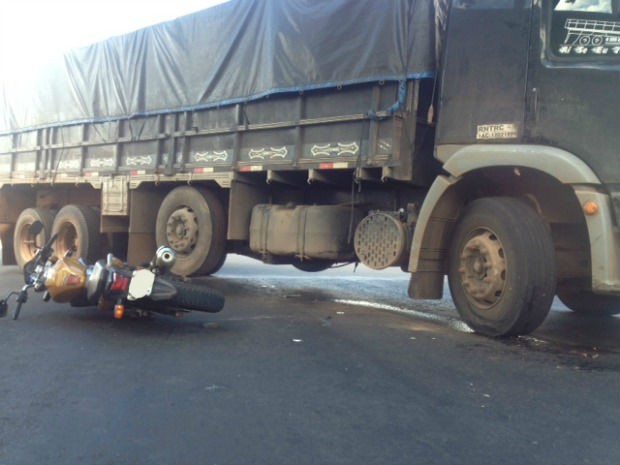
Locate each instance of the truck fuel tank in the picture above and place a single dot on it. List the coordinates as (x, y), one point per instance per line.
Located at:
(321, 232)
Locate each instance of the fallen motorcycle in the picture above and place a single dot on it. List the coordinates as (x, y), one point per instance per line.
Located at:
(111, 284)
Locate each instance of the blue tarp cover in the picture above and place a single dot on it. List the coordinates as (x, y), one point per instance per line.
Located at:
(234, 52)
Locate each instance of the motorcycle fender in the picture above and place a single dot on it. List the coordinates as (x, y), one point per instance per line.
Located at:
(162, 290)
(141, 284)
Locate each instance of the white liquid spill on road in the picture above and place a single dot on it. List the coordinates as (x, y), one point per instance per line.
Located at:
(304, 277)
(455, 324)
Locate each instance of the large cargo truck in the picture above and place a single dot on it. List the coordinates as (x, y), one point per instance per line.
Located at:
(473, 139)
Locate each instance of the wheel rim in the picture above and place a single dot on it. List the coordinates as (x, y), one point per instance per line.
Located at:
(182, 230)
(67, 239)
(27, 244)
(482, 269)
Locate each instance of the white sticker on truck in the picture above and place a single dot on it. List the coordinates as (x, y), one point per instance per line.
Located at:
(497, 131)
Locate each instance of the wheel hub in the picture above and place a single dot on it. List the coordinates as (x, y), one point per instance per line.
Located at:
(182, 230)
(67, 239)
(28, 244)
(483, 269)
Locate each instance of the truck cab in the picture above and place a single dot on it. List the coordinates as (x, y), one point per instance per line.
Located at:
(529, 108)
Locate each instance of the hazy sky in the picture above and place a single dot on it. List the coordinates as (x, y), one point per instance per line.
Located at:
(32, 31)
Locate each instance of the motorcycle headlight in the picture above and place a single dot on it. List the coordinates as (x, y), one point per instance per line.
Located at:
(95, 281)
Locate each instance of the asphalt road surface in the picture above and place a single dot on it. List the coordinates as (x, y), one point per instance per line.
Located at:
(337, 367)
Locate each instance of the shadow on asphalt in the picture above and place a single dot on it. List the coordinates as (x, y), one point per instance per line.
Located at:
(562, 328)
(562, 332)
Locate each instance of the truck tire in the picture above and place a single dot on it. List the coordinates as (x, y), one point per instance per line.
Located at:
(501, 267)
(590, 304)
(25, 246)
(78, 228)
(192, 221)
(312, 266)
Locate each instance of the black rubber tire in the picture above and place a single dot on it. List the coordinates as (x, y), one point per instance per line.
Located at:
(23, 246)
(78, 226)
(197, 297)
(312, 266)
(207, 253)
(587, 303)
(528, 273)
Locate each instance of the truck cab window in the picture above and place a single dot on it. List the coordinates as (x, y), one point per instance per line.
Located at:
(596, 6)
(585, 30)
(491, 4)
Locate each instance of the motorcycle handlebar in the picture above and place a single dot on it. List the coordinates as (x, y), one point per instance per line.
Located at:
(46, 251)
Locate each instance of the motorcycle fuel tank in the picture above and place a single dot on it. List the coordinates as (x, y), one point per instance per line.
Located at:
(65, 280)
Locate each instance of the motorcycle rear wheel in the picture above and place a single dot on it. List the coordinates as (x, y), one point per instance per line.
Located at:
(197, 297)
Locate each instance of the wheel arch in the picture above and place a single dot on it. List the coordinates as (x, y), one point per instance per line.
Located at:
(559, 164)
(554, 182)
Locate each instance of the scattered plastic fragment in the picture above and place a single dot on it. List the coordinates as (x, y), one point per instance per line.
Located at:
(213, 387)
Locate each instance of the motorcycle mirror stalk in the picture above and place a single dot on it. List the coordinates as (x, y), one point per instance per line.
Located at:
(22, 298)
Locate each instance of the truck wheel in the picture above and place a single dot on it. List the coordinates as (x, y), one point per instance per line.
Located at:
(192, 221)
(78, 228)
(502, 268)
(312, 266)
(587, 303)
(24, 245)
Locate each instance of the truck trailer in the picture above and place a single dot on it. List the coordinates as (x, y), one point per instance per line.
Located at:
(473, 139)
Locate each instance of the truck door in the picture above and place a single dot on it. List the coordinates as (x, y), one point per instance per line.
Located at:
(574, 82)
(484, 72)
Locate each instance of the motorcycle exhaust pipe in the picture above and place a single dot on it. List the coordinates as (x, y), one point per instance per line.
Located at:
(165, 258)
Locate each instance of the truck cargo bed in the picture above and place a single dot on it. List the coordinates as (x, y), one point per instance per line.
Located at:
(342, 128)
